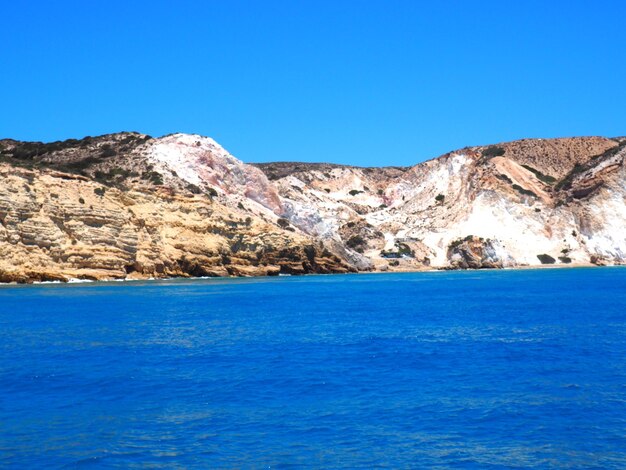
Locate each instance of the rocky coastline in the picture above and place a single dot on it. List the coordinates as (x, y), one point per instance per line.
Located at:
(129, 206)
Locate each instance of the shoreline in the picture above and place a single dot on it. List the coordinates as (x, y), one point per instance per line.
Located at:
(200, 278)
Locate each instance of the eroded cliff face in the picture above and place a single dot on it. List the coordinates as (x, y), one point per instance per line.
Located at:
(564, 198)
(111, 222)
(130, 206)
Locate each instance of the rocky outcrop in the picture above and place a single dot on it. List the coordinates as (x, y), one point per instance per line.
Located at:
(474, 253)
(556, 157)
(527, 197)
(131, 206)
(59, 227)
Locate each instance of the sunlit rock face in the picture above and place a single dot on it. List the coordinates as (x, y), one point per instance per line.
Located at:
(203, 162)
(131, 206)
(560, 197)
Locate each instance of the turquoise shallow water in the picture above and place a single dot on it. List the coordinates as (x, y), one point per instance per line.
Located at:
(490, 369)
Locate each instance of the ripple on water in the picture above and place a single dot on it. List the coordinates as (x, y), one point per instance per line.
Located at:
(472, 370)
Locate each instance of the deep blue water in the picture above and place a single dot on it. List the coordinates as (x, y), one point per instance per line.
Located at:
(492, 369)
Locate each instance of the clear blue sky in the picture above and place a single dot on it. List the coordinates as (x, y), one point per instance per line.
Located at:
(360, 82)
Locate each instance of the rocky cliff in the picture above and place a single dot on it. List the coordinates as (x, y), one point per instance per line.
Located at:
(130, 206)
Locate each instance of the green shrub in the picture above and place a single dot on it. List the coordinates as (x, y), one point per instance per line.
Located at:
(565, 259)
(107, 151)
(566, 182)
(455, 243)
(355, 242)
(81, 200)
(99, 191)
(153, 176)
(81, 164)
(493, 151)
(194, 189)
(523, 191)
(505, 178)
(354, 192)
(540, 176)
(440, 198)
(282, 222)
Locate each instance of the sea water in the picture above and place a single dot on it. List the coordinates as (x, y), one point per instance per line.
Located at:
(480, 369)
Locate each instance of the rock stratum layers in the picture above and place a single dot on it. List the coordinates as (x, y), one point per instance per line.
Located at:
(129, 206)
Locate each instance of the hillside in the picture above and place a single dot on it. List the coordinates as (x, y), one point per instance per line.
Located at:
(131, 206)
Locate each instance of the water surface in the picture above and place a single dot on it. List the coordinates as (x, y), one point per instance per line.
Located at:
(490, 369)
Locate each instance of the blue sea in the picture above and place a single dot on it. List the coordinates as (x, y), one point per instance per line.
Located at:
(480, 369)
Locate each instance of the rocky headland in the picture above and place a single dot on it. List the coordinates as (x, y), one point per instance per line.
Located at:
(129, 206)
